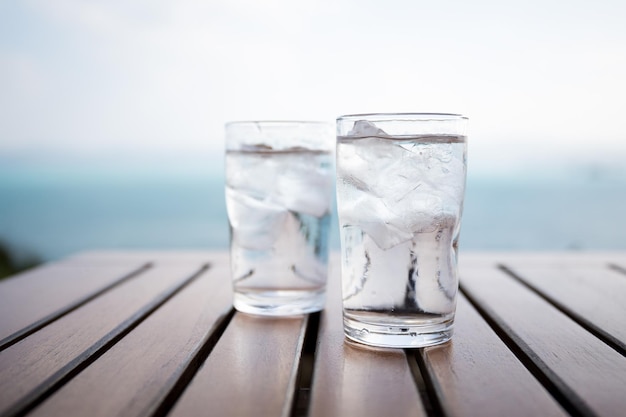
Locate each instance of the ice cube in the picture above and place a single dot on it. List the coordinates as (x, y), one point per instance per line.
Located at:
(393, 189)
(436, 285)
(370, 214)
(416, 210)
(430, 297)
(256, 224)
(253, 174)
(368, 164)
(419, 189)
(364, 128)
(385, 235)
(304, 187)
(379, 152)
(311, 198)
(352, 169)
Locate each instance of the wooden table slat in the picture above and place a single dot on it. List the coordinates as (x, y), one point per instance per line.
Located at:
(37, 297)
(105, 337)
(136, 373)
(595, 296)
(31, 367)
(589, 374)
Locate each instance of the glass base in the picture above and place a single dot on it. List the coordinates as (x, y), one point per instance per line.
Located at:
(279, 302)
(399, 335)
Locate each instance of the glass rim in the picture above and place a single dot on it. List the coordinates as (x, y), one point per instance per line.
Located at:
(403, 116)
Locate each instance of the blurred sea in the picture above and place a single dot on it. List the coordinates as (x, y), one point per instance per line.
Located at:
(54, 217)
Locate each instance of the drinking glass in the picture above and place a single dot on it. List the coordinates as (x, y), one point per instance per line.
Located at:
(400, 190)
(279, 182)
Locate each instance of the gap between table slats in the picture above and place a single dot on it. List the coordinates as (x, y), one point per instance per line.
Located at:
(72, 305)
(425, 383)
(306, 368)
(567, 306)
(354, 379)
(252, 370)
(303, 372)
(177, 389)
(618, 268)
(475, 374)
(568, 399)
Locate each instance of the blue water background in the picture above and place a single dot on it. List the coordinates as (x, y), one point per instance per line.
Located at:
(53, 217)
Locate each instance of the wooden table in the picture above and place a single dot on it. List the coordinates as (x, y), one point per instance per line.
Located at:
(154, 334)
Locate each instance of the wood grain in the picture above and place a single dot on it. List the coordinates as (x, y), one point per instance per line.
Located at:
(133, 347)
(29, 368)
(354, 380)
(250, 372)
(475, 374)
(133, 377)
(590, 374)
(39, 296)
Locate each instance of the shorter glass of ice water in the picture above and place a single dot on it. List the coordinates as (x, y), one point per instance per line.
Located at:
(279, 185)
(400, 190)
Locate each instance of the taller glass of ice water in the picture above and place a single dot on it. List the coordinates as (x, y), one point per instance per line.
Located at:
(400, 190)
(279, 182)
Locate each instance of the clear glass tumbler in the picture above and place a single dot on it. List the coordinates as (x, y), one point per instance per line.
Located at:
(400, 190)
(279, 184)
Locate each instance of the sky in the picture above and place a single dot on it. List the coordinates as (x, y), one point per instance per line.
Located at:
(543, 82)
